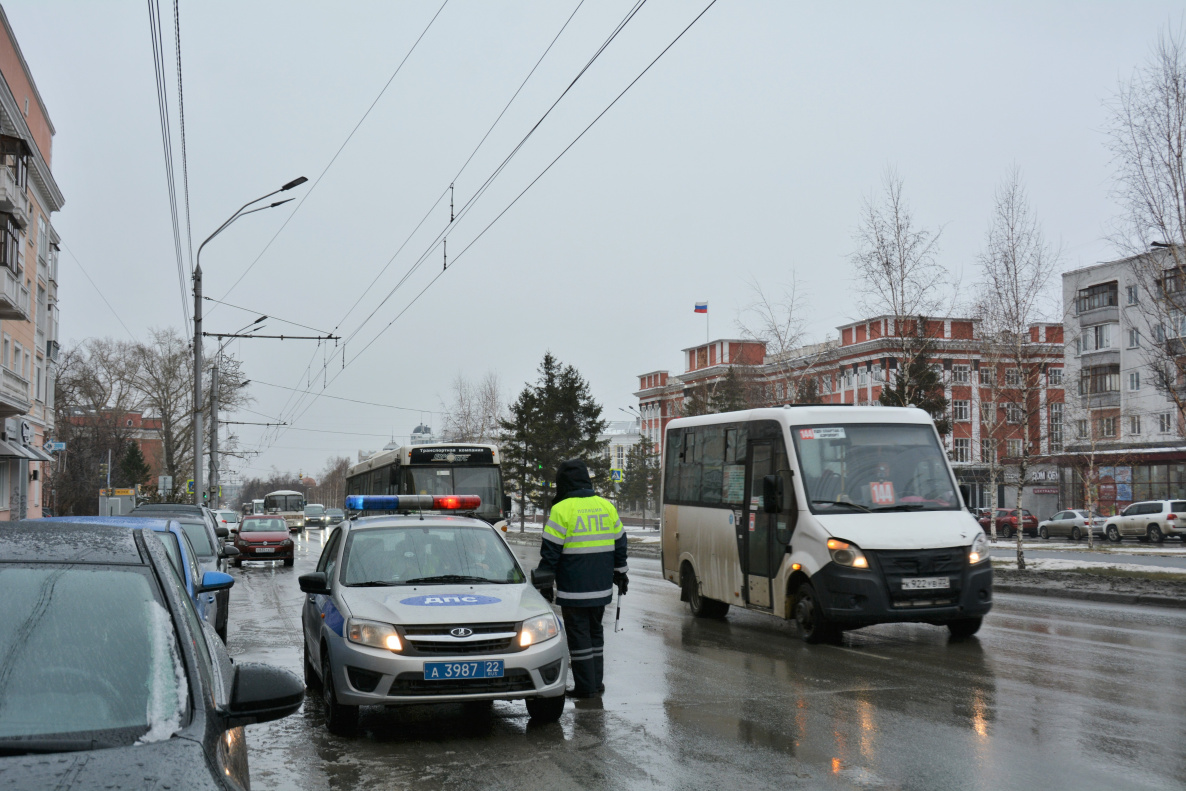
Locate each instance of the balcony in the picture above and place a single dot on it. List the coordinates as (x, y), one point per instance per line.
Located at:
(1100, 400)
(13, 199)
(14, 296)
(14, 394)
(1109, 314)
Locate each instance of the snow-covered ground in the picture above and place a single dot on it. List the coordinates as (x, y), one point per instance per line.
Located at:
(1169, 548)
(1058, 564)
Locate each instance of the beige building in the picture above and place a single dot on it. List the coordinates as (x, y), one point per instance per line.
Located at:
(28, 283)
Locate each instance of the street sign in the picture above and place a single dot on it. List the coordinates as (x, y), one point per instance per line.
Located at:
(164, 483)
(189, 486)
(54, 447)
(616, 476)
(124, 492)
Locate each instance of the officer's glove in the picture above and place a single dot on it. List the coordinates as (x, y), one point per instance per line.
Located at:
(622, 581)
(548, 593)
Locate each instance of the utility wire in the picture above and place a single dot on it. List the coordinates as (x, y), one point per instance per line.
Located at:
(338, 153)
(189, 237)
(268, 316)
(97, 291)
(521, 194)
(341, 398)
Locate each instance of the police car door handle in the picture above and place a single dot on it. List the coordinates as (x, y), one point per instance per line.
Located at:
(312, 599)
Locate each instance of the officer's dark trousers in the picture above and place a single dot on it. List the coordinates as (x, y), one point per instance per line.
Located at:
(586, 644)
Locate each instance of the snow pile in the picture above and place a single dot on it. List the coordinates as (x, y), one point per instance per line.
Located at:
(1058, 564)
(167, 684)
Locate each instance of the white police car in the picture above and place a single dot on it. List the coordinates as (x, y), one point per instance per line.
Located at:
(415, 608)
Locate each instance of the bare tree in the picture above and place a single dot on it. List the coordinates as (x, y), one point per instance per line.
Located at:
(1016, 265)
(164, 376)
(476, 409)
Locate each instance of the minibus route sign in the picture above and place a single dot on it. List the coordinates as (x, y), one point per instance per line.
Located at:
(827, 432)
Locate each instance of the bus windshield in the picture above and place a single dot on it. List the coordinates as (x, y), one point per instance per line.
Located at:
(870, 467)
(482, 481)
(283, 502)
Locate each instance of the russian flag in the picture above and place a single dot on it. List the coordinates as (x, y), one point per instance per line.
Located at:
(702, 307)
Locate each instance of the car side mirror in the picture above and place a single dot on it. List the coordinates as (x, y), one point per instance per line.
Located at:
(215, 581)
(506, 504)
(314, 583)
(772, 494)
(221, 532)
(261, 693)
(230, 551)
(542, 579)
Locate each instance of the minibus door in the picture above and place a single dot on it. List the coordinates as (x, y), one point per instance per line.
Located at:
(760, 526)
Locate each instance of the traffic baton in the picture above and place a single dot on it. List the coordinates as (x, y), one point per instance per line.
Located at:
(618, 617)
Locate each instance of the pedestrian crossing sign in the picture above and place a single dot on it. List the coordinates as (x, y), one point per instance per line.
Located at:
(616, 476)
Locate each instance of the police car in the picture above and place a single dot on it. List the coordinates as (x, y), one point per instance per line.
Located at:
(410, 607)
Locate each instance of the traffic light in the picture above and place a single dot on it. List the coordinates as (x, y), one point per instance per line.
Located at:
(205, 496)
(103, 468)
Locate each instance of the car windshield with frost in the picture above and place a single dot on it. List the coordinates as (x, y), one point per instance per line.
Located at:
(873, 467)
(90, 659)
(426, 556)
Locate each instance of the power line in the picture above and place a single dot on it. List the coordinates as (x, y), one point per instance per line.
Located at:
(339, 151)
(521, 194)
(97, 291)
(189, 241)
(341, 398)
(266, 315)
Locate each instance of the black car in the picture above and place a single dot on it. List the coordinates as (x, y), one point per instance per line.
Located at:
(333, 516)
(315, 515)
(209, 546)
(109, 678)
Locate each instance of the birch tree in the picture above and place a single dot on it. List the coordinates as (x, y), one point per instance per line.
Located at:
(476, 409)
(1016, 265)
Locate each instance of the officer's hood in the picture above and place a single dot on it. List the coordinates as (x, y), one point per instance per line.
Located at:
(572, 480)
(438, 604)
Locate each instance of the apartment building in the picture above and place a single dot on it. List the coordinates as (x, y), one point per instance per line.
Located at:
(984, 392)
(28, 282)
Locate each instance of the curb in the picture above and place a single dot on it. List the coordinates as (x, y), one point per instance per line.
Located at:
(1107, 597)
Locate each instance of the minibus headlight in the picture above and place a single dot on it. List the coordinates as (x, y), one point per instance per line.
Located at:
(846, 554)
(375, 635)
(538, 629)
(979, 550)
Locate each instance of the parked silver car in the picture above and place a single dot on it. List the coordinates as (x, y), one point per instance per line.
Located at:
(1072, 524)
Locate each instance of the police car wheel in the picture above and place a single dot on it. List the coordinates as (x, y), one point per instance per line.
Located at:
(545, 709)
(340, 720)
(311, 679)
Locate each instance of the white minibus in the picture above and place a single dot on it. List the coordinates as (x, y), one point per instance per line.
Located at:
(835, 516)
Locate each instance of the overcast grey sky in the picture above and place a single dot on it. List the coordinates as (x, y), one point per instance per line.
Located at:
(746, 151)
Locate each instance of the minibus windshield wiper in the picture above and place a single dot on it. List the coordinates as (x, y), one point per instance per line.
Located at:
(902, 507)
(841, 502)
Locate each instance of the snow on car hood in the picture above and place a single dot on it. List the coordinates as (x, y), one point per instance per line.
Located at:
(903, 530)
(432, 604)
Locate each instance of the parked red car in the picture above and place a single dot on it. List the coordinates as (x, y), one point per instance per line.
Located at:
(264, 538)
(1006, 520)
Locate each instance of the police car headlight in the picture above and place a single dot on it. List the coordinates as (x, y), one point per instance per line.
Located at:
(979, 550)
(375, 635)
(537, 630)
(846, 554)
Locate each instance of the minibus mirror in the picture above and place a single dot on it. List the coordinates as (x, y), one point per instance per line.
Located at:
(772, 493)
(506, 503)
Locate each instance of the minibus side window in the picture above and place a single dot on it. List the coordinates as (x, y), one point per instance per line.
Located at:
(712, 450)
(675, 443)
(690, 469)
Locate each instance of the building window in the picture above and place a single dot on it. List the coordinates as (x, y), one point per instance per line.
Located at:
(37, 376)
(1099, 379)
(779, 391)
(986, 451)
(1130, 293)
(988, 413)
(1158, 333)
(985, 376)
(1014, 413)
(961, 450)
(4, 487)
(960, 411)
(1081, 429)
(960, 374)
(1134, 424)
(1134, 338)
(1134, 381)
(1107, 426)
(1012, 377)
(1100, 296)
(1165, 423)
(1097, 337)
(1054, 429)
(1054, 377)
(1013, 448)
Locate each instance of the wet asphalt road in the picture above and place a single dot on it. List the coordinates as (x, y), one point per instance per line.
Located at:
(1051, 694)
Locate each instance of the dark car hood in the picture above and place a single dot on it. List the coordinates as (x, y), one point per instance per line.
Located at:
(177, 763)
(256, 536)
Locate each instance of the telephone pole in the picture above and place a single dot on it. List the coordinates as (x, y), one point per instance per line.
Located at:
(214, 482)
(198, 381)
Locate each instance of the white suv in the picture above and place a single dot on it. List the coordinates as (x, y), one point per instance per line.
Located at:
(1151, 520)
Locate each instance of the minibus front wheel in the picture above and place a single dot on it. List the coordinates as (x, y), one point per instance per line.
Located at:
(814, 626)
(700, 606)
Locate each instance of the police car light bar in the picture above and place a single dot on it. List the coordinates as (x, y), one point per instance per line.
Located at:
(413, 502)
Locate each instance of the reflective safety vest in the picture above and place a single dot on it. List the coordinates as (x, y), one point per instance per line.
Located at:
(584, 543)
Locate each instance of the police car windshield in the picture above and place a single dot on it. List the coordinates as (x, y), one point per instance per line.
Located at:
(427, 555)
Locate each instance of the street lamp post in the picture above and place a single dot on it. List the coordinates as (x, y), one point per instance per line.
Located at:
(645, 464)
(199, 435)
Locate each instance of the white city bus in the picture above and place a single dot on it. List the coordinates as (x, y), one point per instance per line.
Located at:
(436, 469)
(835, 516)
(287, 504)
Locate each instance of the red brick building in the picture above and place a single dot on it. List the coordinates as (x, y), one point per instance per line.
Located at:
(854, 369)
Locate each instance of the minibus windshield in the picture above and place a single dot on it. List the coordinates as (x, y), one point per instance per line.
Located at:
(872, 467)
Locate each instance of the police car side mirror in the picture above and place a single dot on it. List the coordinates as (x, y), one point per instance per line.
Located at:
(542, 578)
(772, 494)
(262, 693)
(314, 583)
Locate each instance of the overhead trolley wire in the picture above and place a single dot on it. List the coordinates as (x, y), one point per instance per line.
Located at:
(338, 153)
(525, 189)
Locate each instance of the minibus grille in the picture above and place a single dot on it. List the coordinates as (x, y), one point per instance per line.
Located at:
(921, 562)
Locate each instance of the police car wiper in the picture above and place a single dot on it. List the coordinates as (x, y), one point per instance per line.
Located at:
(841, 502)
(372, 584)
(448, 578)
(20, 746)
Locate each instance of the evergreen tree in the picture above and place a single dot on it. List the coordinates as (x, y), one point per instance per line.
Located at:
(132, 469)
(918, 384)
(641, 482)
(729, 394)
(807, 391)
(697, 401)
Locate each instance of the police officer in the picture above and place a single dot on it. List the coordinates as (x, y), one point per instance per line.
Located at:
(585, 546)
